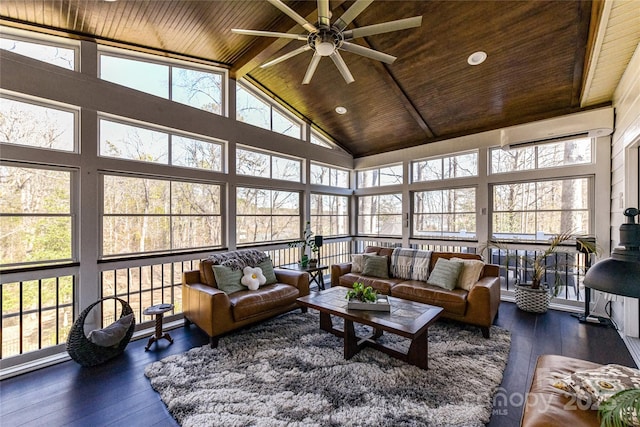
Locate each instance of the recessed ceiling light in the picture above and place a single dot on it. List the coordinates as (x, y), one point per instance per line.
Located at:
(477, 58)
(341, 110)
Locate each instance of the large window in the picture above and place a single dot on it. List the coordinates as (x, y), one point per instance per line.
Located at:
(380, 215)
(37, 125)
(59, 54)
(266, 215)
(126, 141)
(326, 175)
(329, 214)
(386, 175)
(536, 210)
(545, 155)
(447, 214)
(265, 165)
(154, 215)
(36, 215)
(456, 166)
(261, 112)
(318, 139)
(196, 87)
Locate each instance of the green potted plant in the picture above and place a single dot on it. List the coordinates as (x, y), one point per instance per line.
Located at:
(535, 296)
(620, 410)
(366, 298)
(306, 241)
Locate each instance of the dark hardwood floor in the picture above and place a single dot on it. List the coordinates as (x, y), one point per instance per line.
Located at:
(118, 393)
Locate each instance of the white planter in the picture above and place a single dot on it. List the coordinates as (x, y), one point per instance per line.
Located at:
(532, 300)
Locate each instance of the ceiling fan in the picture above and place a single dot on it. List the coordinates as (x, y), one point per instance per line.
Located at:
(326, 39)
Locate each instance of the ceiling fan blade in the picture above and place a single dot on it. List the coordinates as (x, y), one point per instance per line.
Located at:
(311, 69)
(342, 67)
(369, 53)
(293, 15)
(324, 14)
(385, 27)
(284, 57)
(351, 14)
(268, 34)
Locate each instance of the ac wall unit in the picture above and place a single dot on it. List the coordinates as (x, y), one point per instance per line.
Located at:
(592, 123)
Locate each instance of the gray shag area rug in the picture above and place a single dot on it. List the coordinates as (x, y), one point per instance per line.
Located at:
(287, 372)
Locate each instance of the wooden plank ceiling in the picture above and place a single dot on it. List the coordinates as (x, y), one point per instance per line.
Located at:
(534, 70)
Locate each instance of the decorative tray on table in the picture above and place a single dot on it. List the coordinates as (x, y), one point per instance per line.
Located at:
(381, 304)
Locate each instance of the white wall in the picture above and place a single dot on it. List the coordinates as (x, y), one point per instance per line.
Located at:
(624, 174)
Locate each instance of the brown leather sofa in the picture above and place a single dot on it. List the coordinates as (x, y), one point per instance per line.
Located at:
(476, 307)
(216, 313)
(547, 406)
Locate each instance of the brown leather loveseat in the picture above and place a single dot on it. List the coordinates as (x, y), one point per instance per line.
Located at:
(478, 306)
(216, 312)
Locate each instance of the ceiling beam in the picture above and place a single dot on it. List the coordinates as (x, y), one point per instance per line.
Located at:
(264, 48)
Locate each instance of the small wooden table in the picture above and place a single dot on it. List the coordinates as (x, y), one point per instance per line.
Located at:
(407, 318)
(315, 273)
(158, 310)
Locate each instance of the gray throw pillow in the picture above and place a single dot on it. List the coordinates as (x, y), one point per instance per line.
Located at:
(228, 279)
(267, 269)
(445, 273)
(112, 334)
(376, 266)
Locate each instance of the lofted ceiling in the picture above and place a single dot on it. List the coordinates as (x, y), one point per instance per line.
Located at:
(537, 54)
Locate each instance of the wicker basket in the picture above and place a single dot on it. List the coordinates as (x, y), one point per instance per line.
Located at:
(87, 353)
(532, 300)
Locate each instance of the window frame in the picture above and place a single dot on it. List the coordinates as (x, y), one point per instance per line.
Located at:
(271, 156)
(331, 170)
(590, 209)
(170, 134)
(332, 215)
(359, 185)
(170, 215)
(170, 63)
(442, 159)
(44, 40)
(469, 235)
(73, 215)
(45, 103)
(401, 215)
(273, 104)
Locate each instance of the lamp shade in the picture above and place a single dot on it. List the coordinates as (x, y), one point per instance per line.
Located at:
(620, 274)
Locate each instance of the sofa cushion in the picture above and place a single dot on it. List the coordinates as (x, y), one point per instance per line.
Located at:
(470, 272)
(445, 273)
(245, 304)
(206, 273)
(452, 301)
(376, 266)
(228, 279)
(383, 286)
(112, 334)
(266, 266)
(357, 263)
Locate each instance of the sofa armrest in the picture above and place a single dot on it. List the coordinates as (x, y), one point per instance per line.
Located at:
(294, 278)
(490, 270)
(192, 276)
(338, 270)
(486, 292)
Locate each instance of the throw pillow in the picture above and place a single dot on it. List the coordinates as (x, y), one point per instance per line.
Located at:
(357, 263)
(470, 272)
(252, 278)
(266, 266)
(228, 279)
(445, 273)
(112, 334)
(594, 386)
(376, 266)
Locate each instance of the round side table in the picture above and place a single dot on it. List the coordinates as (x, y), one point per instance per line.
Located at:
(158, 310)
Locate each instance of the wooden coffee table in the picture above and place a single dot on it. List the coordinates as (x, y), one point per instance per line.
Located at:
(407, 318)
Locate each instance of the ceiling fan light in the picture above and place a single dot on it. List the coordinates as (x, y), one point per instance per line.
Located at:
(325, 48)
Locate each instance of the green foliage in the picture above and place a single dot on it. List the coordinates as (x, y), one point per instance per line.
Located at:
(360, 293)
(307, 240)
(621, 409)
